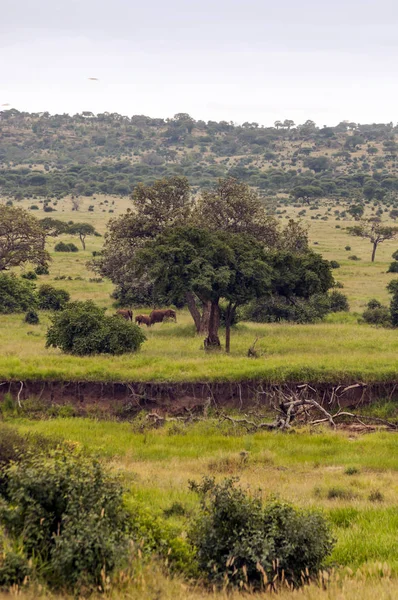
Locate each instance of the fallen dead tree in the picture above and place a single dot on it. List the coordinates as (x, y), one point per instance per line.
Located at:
(291, 411)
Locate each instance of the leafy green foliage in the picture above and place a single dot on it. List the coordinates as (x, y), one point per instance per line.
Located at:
(16, 295)
(338, 301)
(66, 247)
(30, 275)
(21, 238)
(240, 542)
(82, 328)
(70, 515)
(274, 309)
(51, 298)
(31, 317)
(379, 315)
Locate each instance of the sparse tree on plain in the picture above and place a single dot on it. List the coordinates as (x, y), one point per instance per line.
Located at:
(375, 231)
(22, 239)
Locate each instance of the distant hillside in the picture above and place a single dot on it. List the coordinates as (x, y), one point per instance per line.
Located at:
(51, 156)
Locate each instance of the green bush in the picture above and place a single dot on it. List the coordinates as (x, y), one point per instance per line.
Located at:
(393, 268)
(51, 298)
(16, 295)
(70, 515)
(63, 247)
(14, 567)
(354, 257)
(334, 264)
(373, 303)
(82, 328)
(338, 301)
(395, 255)
(42, 270)
(394, 309)
(275, 308)
(377, 316)
(31, 317)
(31, 275)
(241, 542)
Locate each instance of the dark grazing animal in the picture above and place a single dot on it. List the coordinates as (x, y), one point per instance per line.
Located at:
(126, 313)
(158, 315)
(143, 319)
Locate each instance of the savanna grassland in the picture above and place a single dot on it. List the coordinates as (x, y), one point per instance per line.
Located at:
(338, 348)
(352, 477)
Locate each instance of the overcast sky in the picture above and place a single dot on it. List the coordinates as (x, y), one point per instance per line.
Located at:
(234, 60)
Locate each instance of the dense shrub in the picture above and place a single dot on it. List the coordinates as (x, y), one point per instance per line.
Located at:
(16, 295)
(70, 515)
(373, 303)
(348, 248)
(274, 309)
(31, 275)
(377, 316)
(394, 310)
(393, 268)
(82, 328)
(42, 270)
(334, 264)
(354, 257)
(51, 298)
(14, 566)
(63, 247)
(31, 317)
(241, 542)
(395, 255)
(338, 301)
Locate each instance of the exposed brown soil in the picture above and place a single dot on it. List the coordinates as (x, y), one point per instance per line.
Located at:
(128, 399)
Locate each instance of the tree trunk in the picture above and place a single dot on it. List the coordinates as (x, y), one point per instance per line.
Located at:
(205, 317)
(83, 242)
(212, 342)
(193, 309)
(228, 320)
(374, 251)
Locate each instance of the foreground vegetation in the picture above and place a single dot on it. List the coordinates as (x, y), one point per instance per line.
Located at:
(353, 478)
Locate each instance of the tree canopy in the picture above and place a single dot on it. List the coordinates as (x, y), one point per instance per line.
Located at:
(375, 231)
(22, 239)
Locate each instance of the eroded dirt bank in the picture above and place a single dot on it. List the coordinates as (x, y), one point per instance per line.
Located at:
(124, 399)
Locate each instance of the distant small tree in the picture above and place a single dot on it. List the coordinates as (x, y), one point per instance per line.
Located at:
(82, 230)
(22, 239)
(356, 211)
(375, 231)
(76, 203)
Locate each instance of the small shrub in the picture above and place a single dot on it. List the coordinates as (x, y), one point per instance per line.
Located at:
(34, 207)
(240, 542)
(348, 248)
(338, 302)
(48, 208)
(377, 316)
(395, 255)
(376, 496)
(351, 471)
(42, 270)
(338, 226)
(30, 275)
(373, 303)
(16, 294)
(354, 257)
(340, 493)
(31, 317)
(82, 328)
(393, 268)
(97, 253)
(14, 568)
(51, 298)
(334, 264)
(63, 247)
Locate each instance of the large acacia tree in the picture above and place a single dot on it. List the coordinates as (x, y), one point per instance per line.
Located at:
(22, 239)
(211, 265)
